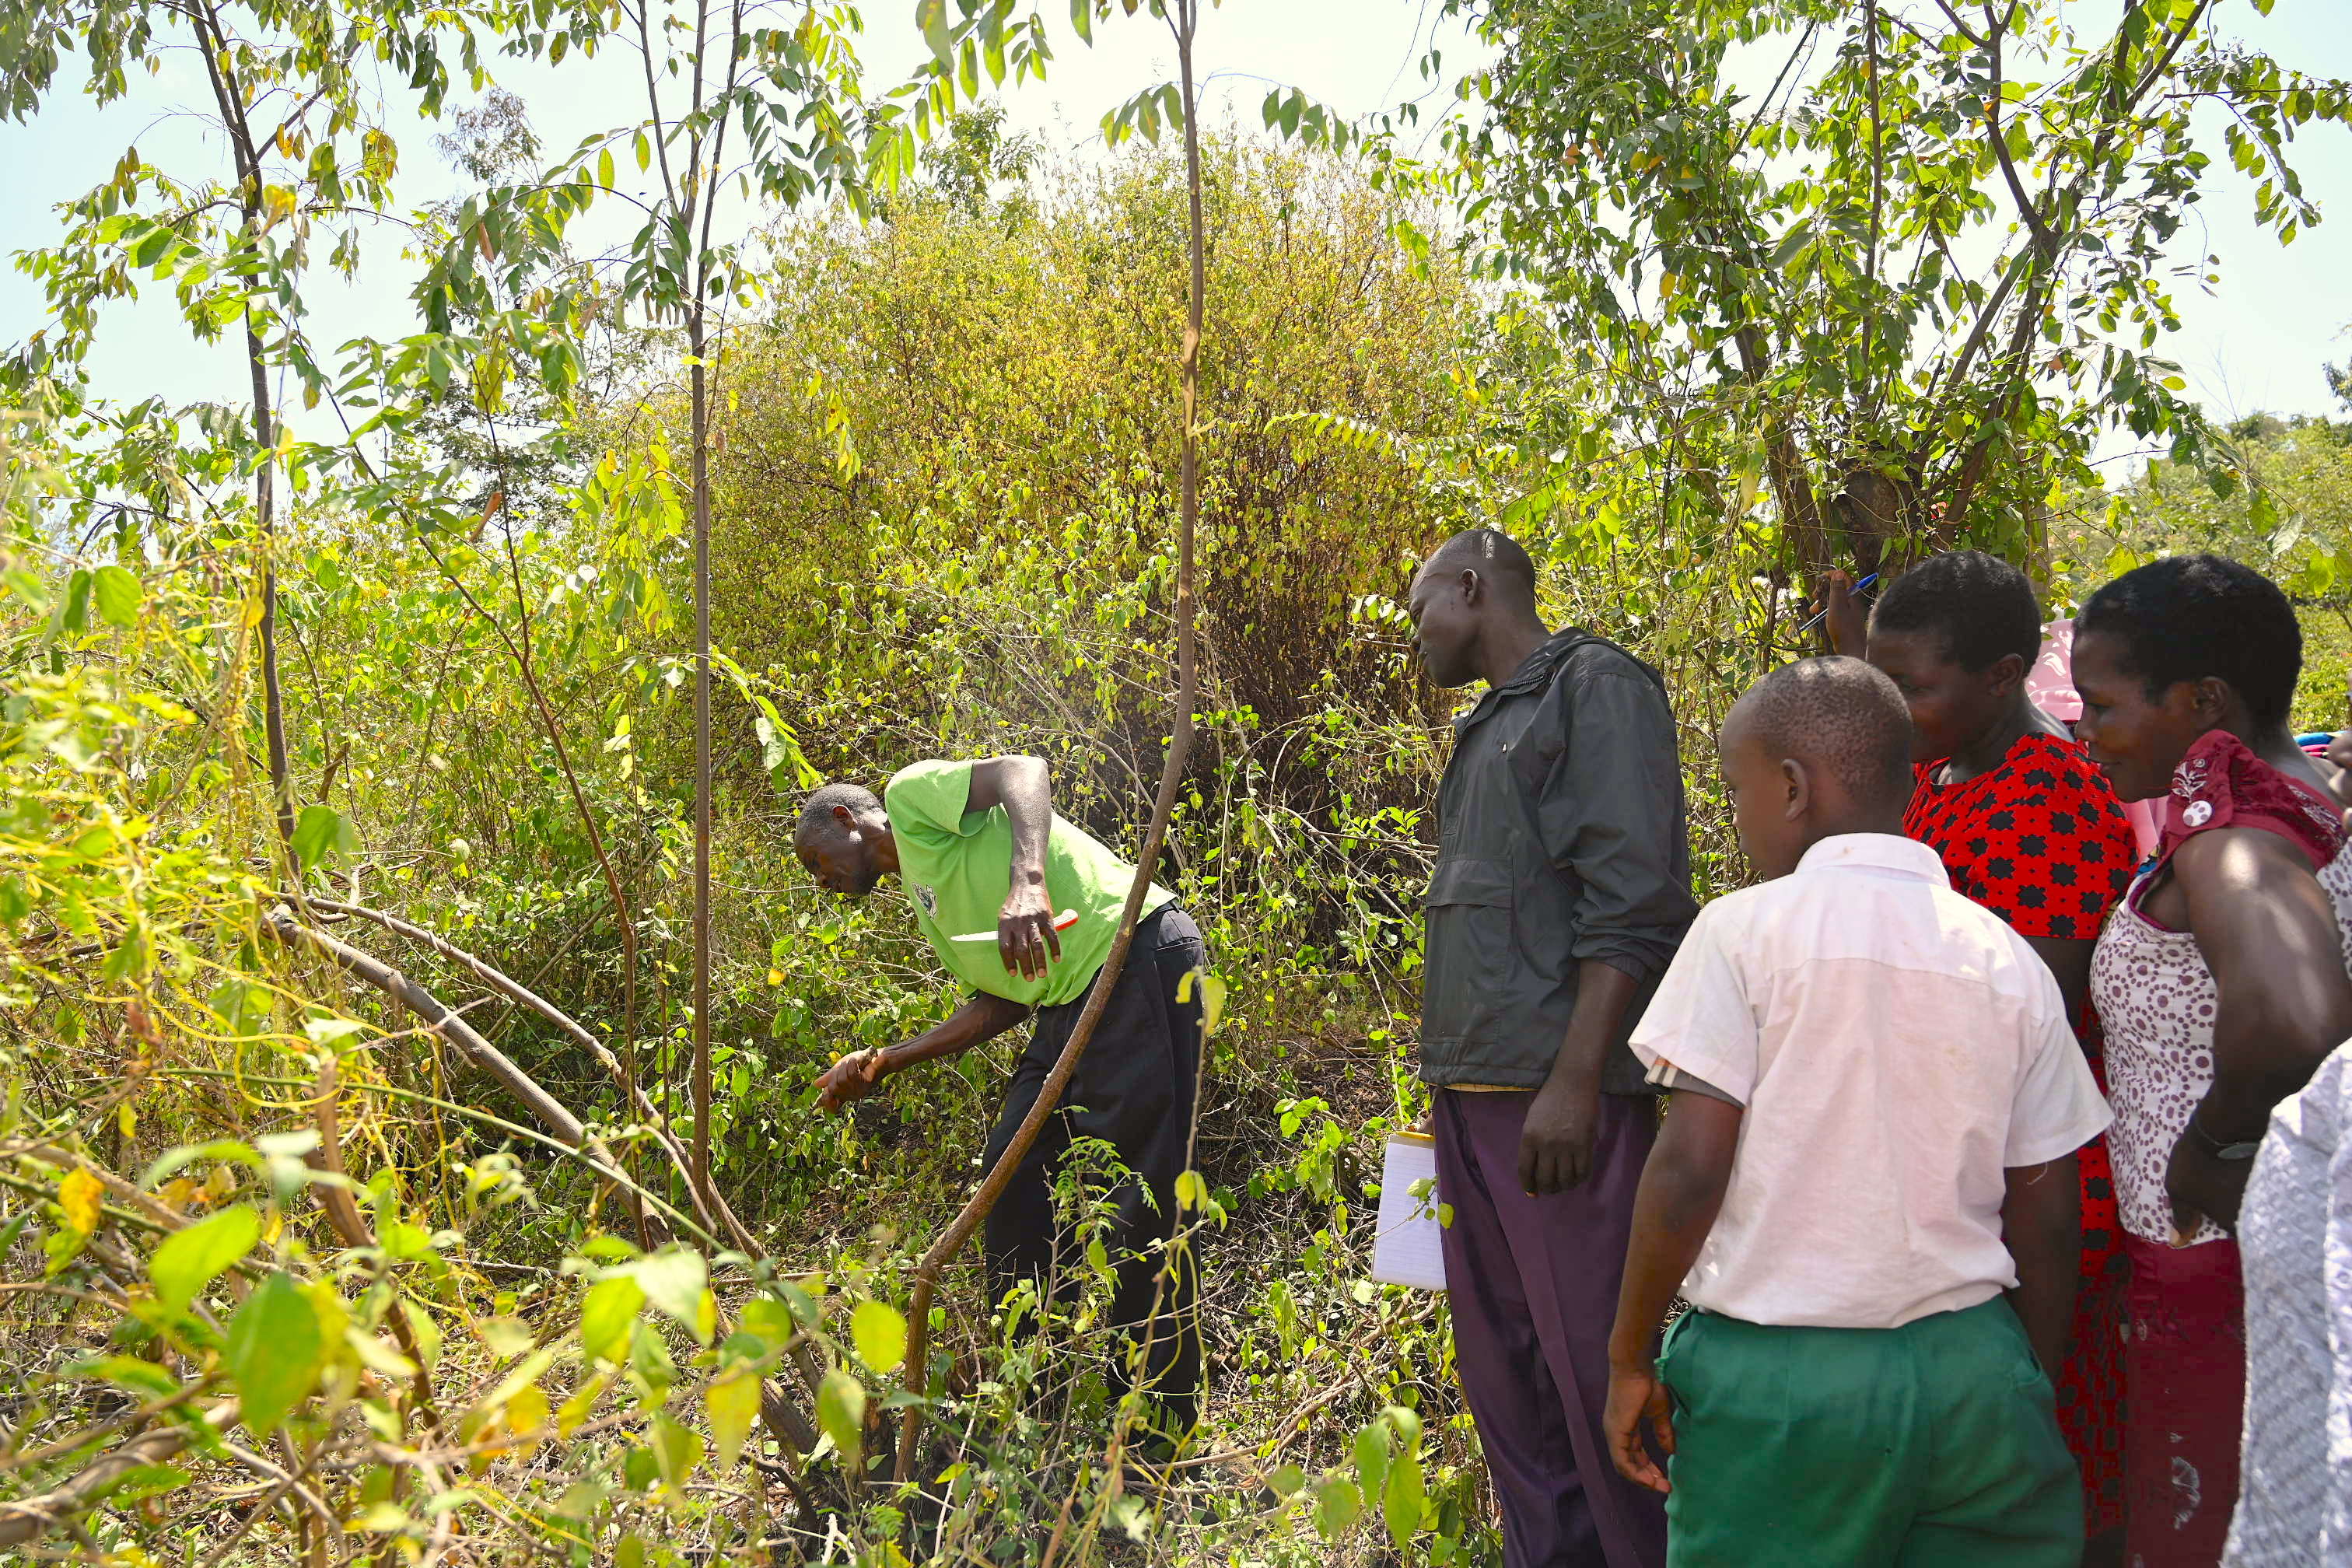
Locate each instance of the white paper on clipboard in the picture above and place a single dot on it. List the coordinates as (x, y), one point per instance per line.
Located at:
(1407, 1246)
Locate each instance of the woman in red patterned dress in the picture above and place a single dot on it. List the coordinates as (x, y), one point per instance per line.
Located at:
(2029, 828)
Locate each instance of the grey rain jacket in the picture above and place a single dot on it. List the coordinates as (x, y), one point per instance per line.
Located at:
(1562, 837)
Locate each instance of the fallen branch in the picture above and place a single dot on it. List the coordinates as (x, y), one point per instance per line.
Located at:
(717, 1214)
(27, 1518)
(789, 1427)
(549, 1111)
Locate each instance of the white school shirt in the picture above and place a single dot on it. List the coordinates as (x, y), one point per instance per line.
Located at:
(1896, 1047)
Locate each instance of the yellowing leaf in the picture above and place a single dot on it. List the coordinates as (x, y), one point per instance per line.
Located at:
(841, 1411)
(527, 1411)
(880, 1331)
(79, 1195)
(732, 1402)
(576, 1409)
(606, 1316)
(1212, 1003)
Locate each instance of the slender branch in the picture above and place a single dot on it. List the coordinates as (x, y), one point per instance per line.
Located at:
(516, 992)
(1049, 1094)
(27, 1518)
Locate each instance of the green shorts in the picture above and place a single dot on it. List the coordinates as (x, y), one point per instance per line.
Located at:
(1931, 1446)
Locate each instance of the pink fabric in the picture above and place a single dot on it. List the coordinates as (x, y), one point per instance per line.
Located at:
(2050, 685)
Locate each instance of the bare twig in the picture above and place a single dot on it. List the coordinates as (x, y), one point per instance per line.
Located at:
(1180, 746)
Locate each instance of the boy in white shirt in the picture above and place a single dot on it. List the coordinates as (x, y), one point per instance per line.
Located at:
(1864, 1184)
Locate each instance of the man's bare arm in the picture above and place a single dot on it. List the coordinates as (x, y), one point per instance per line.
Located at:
(1025, 938)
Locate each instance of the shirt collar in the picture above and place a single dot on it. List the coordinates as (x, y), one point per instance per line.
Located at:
(1534, 674)
(1875, 852)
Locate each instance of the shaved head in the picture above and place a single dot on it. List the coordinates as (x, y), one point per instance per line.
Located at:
(1495, 555)
(1838, 716)
(817, 819)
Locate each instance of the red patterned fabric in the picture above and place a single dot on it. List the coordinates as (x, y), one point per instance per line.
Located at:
(2221, 783)
(2042, 842)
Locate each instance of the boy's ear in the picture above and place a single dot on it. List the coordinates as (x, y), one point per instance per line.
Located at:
(1800, 781)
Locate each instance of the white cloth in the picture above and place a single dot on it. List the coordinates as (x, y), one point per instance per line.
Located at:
(2157, 1001)
(1897, 1048)
(2294, 1238)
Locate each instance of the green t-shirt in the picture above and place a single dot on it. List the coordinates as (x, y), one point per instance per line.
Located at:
(958, 866)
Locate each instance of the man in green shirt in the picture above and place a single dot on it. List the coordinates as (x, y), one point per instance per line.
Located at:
(982, 856)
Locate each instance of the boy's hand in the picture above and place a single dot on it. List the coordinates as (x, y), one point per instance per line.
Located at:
(1635, 1395)
(852, 1077)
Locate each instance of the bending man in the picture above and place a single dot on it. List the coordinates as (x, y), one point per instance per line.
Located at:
(982, 852)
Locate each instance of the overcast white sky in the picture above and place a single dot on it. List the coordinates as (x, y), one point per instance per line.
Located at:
(2257, 343)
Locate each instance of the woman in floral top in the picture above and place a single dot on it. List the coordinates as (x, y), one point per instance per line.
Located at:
(2221, 982)
(2027, 826)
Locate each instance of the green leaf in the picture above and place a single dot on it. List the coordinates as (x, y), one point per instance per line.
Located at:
(673, 1283)
(1287, 1481)
(605, 168)
(1082, 19)
(732, 1402)
(1372, 1458)
(1191, 1191)
(677, 1449)
(768, 1320)
(273, 1352)
(880, 1331)
(75, 618)
(1403, 1500)
(1338, 1505)
(841, 1412)
(190, 1260)
(606, 1314)
(117, 593)
(320, 828)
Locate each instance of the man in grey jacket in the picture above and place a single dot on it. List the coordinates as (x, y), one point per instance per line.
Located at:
(1561, 890)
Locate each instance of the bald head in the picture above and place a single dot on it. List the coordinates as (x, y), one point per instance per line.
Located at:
(1474, 608)
(1840, 717)
(1495, 555)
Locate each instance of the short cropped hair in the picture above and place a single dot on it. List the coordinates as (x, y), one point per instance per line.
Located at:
(1841, 715)
(2188, 617)
(1492, 554)
(817, 813)
(1980, 605)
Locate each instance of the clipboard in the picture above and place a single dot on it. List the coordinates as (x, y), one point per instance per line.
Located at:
(1408, 1246)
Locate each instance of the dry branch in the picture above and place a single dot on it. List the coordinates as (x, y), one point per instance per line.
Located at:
(718, 1213)
(27, 1518)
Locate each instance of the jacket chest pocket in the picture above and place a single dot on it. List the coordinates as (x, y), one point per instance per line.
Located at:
(1468, 948)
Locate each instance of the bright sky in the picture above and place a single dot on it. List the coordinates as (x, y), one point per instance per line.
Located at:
(2257, 342)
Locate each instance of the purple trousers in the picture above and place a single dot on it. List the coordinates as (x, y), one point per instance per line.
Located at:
(1532, 1287)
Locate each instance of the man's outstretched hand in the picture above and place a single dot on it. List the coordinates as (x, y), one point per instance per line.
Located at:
(1844, 618)
(1025, 939)
(1637, 1397)
(852, 1077)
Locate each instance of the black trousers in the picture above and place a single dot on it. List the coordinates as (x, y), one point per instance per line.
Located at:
(1133, 1090)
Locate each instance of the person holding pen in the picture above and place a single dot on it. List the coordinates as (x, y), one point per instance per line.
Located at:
(981, 853)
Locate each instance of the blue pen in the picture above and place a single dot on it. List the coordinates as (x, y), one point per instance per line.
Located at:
(1817, 620)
